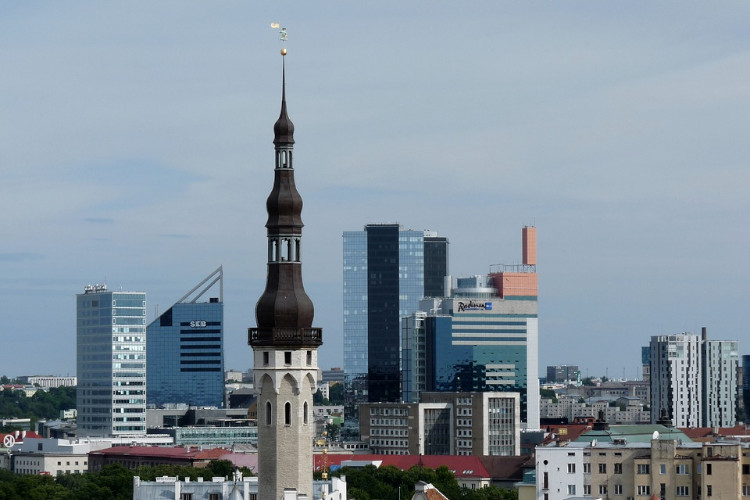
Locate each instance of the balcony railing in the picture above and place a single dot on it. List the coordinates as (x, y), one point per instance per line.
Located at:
(285, 336)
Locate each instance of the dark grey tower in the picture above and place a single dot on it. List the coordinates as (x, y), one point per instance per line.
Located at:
(285, 345)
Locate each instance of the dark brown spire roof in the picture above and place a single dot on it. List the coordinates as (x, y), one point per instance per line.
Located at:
(283, 129)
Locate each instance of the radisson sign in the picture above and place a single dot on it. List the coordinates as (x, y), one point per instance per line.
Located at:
(474, 306)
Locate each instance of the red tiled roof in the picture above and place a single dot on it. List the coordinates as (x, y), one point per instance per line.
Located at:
(708, 434)
(462, 466)
(435, 494)
(21, 437)
(565, 432)
(162, 452)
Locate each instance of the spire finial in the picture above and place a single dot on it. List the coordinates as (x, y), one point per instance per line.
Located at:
(284, 128)
(282, 36)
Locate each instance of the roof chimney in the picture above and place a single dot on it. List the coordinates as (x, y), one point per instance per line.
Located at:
(704, 335)
(528, 235)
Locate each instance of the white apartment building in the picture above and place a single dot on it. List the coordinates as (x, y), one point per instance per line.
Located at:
(721, 359)
(675, 365)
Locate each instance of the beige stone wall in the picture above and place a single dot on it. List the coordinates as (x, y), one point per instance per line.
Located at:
(285, 457)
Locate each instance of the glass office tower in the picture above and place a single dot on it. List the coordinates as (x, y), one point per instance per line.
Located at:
(186, 349)
(111, 362)
(385, 277)
(483, 336)
(474, 343)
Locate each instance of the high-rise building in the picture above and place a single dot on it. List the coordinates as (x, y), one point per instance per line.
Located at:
(285, 345)
(387, 271)
(111, 362)
(675, 366)
(646, 363)
(694, 380)
(562, 373)
(186, 349)
(483, 337)
(745, 388)
(721, 359)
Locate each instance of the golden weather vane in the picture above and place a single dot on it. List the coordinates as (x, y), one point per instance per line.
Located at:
(282, 36)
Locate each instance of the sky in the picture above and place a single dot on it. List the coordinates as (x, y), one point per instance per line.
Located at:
(136, 149)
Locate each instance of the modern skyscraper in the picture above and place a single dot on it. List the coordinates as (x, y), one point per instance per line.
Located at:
(675, 366)
(387, 271)
(285, 345)
(186, 349)
(111, 362)
(694, 380)
(484, 337)
(720, 363)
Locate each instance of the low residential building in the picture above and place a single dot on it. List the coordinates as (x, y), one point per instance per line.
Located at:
(625, 411)
(667, 468)
(48, 381)
(53, 457)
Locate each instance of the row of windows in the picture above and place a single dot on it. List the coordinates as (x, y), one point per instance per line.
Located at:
(389, 432)
(287, 413)
(389, 411)
(388, 421)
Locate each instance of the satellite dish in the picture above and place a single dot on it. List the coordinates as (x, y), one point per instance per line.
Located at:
(656, 435)
(9, 441)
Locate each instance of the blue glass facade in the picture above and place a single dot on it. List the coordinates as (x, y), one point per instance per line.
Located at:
(186, 360)
(111, 362)
(470, 345)
(384, 279)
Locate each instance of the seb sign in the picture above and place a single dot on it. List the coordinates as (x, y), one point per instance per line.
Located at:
(198, 324)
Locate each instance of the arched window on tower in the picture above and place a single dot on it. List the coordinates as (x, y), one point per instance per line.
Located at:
(268, 413)
(304, 414)
(288, 413)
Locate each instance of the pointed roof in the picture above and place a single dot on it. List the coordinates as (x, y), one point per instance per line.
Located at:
(283, 129)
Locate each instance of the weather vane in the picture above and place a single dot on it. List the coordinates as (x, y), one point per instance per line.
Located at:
(282, 35)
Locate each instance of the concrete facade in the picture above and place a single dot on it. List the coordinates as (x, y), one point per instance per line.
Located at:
(480, 423)
(666, 468)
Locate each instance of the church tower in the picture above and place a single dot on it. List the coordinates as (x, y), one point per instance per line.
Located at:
(285, 345)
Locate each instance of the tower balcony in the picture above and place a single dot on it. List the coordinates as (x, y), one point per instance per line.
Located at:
(285, 337)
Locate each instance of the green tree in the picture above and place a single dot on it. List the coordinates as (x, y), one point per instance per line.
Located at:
(336, 394)
(548, 394)
(334, 430)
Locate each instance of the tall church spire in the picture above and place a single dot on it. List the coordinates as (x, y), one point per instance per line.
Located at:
(285, 357)
(284, 304)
